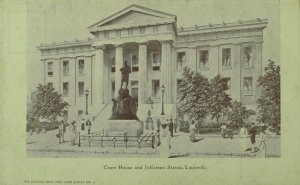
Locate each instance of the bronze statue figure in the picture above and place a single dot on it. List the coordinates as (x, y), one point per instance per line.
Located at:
(125, 70)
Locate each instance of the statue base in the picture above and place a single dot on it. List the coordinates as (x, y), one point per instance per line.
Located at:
(122, 127)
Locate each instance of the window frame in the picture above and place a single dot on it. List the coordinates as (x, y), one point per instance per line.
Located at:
(66, 61)
(251, 57)
(80, 94)
(183, 63)
(81, 72)
(230, 57)
(248, 93)
(152, 89)
(50, 68)
(155, 67)
(67, 94)
(134, 68)
(206, 66)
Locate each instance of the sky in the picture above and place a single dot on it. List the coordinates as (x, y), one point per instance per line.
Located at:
(59, 20)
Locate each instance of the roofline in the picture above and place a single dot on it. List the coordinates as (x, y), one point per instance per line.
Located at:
(132, 5)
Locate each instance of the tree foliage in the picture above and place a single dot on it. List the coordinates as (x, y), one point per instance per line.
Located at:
(269, 101)
(198, 97)
(193, 95)
(239, 114)
(47, 104)
(219, 98)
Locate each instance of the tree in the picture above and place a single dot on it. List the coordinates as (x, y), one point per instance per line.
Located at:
(219, 98)
(239, 114)
(193, 95)
(269, 101)
(48, 103)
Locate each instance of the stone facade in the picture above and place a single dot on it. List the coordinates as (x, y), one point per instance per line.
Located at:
(157, 50)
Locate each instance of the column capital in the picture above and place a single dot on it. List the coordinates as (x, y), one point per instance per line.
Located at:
(119, 45)
(103, 47)
(143, 43)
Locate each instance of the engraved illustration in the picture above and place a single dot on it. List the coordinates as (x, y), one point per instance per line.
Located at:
(144, 86)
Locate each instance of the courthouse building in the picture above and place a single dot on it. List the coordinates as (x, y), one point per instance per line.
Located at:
(156, 49)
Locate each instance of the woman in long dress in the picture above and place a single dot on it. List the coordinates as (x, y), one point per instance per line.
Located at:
(244, 135)
(192, 132)
(165, 146)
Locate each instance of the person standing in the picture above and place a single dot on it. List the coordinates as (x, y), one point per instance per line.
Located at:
(192, 132)
(89, 126)
(158, 123)
(252, 139)
(243, 135)
(165, 146)
(61, 131)
(223, 130)
(73, 133)
(175, 125)
(263, 145)
(82, 124)
(171, 127)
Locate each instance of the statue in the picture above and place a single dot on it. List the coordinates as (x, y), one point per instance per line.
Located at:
(124, 106)
(125, 74)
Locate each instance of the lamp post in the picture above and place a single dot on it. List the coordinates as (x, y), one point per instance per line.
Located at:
(87, 92)
(163, 88)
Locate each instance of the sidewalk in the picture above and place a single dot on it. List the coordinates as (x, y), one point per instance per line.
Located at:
(210, 145)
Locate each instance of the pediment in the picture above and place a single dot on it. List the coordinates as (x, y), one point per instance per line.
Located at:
(133, 15)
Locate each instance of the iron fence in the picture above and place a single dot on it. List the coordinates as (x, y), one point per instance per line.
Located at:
(105, 140)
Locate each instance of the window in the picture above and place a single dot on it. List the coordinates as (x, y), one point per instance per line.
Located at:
(81, 88)
(50, 68)
(248, 57)
(134, 89)
(248, 85)
(66, 89)
(180, 60)
(156, 61)
(134, 62)
(113, 64)
(81, 67)
(65, 115)
(229, 85)
(155, 88)
(66, 67)
(203, 59)
(80, 112)
(50, 85)
(142, 31)
(226, 58)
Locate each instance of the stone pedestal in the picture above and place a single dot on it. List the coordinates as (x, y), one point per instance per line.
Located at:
(121, 127)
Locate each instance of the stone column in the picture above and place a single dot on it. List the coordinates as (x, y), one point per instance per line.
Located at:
(98, 67)
(143, 76)
(166, 71)
(119, 65)
(237, 79)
